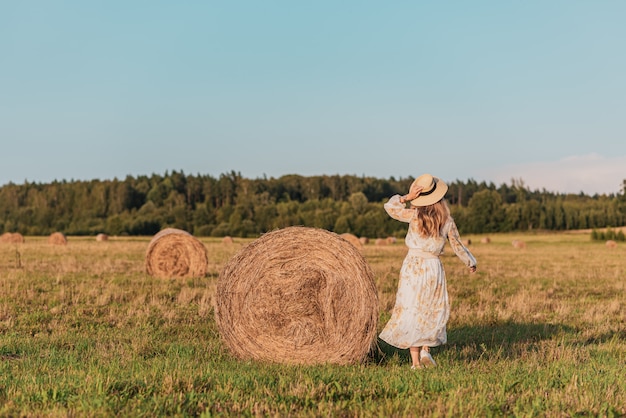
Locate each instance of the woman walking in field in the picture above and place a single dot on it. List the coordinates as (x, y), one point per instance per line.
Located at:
(419, 317)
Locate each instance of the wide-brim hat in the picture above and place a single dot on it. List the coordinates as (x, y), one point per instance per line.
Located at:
(433, 190)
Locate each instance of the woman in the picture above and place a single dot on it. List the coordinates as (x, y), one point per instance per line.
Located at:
(419, 317)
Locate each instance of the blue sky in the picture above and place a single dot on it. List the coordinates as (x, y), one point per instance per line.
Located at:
(483, 90)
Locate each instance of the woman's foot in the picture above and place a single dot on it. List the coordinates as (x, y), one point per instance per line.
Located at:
(426, 359)
(416, 366)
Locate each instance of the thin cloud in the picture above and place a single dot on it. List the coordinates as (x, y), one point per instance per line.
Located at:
(590, 174)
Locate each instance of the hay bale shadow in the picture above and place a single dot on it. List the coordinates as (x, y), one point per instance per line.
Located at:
(469, 343)
(509, 339)
(385, 353)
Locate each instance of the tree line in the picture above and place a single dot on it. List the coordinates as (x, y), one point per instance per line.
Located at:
(236, 206)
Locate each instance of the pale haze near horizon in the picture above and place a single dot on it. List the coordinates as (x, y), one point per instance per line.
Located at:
(489, 91)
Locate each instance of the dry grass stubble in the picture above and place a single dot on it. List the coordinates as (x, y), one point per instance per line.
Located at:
(519, 300)
(84, 330)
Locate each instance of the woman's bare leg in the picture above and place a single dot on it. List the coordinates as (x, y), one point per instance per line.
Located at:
(415, 357)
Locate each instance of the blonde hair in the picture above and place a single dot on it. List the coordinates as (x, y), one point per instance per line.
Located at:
(431, 218)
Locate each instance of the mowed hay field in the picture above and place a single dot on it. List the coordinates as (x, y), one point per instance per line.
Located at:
(537, 331)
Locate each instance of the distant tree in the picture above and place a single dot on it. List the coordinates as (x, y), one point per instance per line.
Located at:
(232, 205)
(485, 211)
(359, 202)
(342, 225)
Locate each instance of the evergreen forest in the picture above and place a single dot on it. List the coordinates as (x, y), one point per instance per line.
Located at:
(231, 205)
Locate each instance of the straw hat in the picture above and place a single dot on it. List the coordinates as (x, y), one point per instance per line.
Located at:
(433, 190)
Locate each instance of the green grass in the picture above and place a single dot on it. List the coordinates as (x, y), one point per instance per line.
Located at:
(536, 332)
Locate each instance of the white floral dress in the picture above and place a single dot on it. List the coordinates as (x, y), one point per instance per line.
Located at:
(422, 308)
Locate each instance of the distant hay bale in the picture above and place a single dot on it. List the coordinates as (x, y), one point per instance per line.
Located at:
(12, 238)
(467, 242)
(57, 238)
(518, 244)
(364, 240)
(227, 240)
(176, 253)
(102, 237)
(485, 240)
(352, 239)
(391, 240)
(611, 244)
(298, 295)
(380, 241)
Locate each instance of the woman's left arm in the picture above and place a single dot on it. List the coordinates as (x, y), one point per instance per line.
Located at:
(459, 249)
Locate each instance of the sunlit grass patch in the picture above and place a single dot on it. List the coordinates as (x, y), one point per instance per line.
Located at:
(84, 331)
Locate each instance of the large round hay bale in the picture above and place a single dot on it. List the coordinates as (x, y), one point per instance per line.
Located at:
(519, 244)
(611, 244)
(102, 237)
(57, 238)
(298, 295)
(485, 240)
(227, 240)
(352, 239)
(176, 253)
(12, 238)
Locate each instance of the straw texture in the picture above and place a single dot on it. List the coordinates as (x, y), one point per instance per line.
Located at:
(352, 239)
(12, 238)
(102, 237)
(176, 253)
(298, 295)
(57, 238)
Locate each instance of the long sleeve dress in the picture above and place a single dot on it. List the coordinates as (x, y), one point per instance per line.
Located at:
(422, 308)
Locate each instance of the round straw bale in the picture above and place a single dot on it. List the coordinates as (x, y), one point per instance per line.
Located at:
(518, 244)
(102, 237)
(176, 253)
(391, 240)
(12, 238)
(380, 241)
(485, 240)
(364, 240)
(352, 239)
(611, 244)
(57, 238)
(298, 295)
(227, 240)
